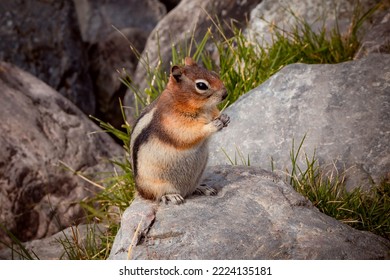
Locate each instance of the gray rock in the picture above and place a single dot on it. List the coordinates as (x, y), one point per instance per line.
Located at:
(110, 28)
(186, 20)
(42, 37)
(344, 110)
(254, 216)
(377, 39)
(97, 19)
(39, 128)
(112, 59)
(135, 224)
(56, 247)
(316, 13)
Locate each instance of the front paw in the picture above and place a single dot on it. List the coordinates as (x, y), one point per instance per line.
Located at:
(225, 119)
(222, 121)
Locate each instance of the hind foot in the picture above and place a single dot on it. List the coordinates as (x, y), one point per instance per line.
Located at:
(174, 198)
(205, 190)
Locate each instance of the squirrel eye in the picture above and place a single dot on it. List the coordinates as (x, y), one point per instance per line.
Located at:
(201, 85)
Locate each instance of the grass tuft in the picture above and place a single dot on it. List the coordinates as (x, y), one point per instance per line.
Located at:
(325, 188)
(245, 63)
(87, 246)
(239, 158)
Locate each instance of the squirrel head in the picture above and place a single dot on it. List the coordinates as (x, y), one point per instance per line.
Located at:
(196, 85)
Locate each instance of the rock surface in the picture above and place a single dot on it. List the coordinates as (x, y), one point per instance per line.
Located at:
(98, 18)
(377, 40)
(316, 13)
(112, 59)
(42, 37)
(38, 129)
(254, 216)
(110, 28)
(344, 110)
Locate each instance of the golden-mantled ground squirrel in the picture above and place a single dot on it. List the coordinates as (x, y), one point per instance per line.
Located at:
(169, 141)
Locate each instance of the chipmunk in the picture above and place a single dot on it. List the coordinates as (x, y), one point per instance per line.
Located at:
(169, 141)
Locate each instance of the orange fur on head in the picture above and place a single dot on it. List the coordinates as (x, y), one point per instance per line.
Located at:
(189, 61)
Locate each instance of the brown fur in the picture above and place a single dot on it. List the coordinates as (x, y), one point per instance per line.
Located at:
(173, 133)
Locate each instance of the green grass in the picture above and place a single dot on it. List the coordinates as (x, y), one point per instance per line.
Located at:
(325, 188)
(90, 245)
(105, 207)
(244, 63)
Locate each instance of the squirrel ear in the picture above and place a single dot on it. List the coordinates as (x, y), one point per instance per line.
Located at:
(189, 61)
(176, 73)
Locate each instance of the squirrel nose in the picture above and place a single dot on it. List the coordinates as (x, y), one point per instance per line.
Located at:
(224, 94)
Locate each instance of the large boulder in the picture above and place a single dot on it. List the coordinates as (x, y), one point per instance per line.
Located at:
(343, 109)
(42, 37)
(111, 60)
(39, 129)
(317, 13)
(100, 18)
(111, 29)
(255, 215)
(377, 40)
